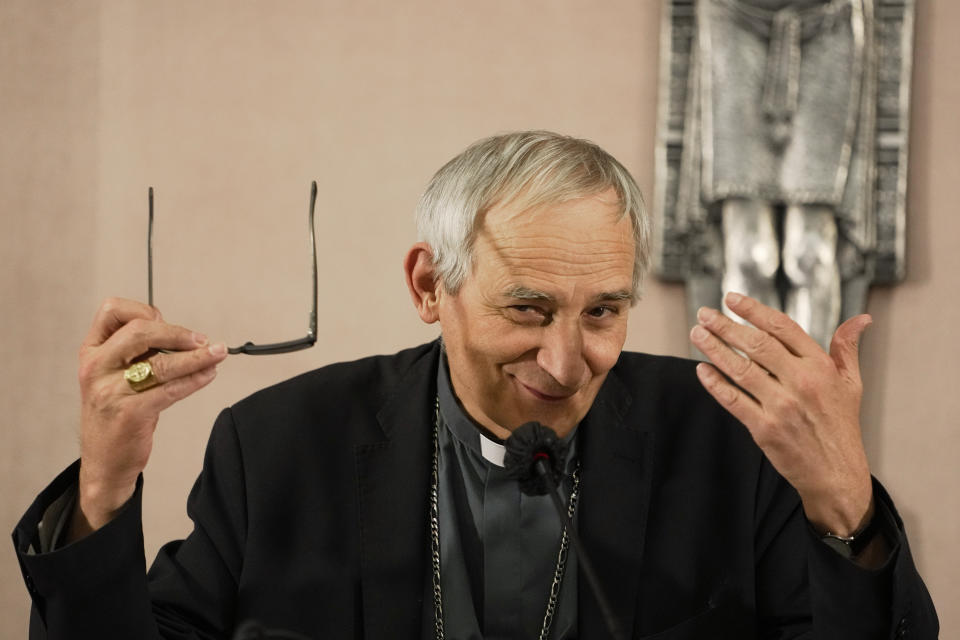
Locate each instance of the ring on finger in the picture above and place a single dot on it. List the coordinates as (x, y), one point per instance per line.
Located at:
(140, 376)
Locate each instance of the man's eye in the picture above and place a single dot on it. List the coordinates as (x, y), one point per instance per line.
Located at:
(602, 311)
(528, 309)
(528, 314)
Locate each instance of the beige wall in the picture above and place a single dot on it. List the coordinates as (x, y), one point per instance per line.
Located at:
(230, 109)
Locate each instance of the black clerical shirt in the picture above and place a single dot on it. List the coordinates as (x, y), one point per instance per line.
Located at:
(498, 547)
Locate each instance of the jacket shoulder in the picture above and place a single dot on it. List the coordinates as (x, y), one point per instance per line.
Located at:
(667, 392)
(363, 376)
(660, 377)
(344, 392)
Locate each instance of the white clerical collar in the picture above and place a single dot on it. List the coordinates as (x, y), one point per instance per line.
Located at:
(491, 451)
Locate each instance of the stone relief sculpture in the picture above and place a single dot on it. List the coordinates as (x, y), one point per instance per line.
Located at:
(781, 156)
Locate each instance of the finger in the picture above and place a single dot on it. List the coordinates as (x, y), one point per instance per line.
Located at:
(746, 373)
(845, 346)
(776, 323)
(168, 367)
(757, 344)
(115, 313)
(140, 336)
(160, 397)
(739, 404)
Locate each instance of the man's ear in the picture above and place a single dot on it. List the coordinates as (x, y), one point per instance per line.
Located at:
(422, 281)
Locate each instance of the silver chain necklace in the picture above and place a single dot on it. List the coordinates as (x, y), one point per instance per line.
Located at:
(434, 513)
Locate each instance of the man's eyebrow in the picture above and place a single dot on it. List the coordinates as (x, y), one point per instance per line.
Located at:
(520, 292)
(624, 295)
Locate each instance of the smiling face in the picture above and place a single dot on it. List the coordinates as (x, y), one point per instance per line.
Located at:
(536, 326)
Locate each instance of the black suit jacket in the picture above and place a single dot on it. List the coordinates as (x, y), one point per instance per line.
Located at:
(311, 515)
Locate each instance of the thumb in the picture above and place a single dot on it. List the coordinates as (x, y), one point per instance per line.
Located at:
(845, 346)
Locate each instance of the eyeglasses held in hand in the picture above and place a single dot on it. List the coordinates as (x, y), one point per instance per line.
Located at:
(249, 347)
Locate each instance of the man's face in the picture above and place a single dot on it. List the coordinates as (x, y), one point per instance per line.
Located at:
(542, 318)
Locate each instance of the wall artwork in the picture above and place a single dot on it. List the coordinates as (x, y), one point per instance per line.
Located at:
(782, 152)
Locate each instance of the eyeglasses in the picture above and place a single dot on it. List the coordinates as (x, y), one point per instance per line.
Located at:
(249, 347)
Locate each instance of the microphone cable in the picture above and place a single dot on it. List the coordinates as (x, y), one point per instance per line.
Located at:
(535, 457)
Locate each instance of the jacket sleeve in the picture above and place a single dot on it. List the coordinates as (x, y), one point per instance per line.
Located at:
(805, 589)
(894, 592)
(97, 587)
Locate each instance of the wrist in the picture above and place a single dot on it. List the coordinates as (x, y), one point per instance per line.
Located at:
(841, 513)
(99, 500)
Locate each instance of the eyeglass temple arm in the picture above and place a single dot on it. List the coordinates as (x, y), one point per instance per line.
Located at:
(310, 339)
(252, 349)
(150, 248)
(313, 252)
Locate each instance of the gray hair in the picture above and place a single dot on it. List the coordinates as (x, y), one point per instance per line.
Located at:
(531, 168)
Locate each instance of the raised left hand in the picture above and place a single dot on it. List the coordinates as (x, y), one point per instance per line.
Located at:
(801, 405)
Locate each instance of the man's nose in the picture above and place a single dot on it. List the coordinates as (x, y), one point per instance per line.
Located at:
(561, 354)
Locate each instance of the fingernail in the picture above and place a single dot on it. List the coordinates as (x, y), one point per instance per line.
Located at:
(218, 349)
(199, 339)
(734, 298)
(705, 313)
(699, 333)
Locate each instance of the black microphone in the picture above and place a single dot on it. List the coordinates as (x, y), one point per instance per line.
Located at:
(535, 457)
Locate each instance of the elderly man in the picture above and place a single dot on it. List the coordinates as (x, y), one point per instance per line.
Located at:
(368, 499)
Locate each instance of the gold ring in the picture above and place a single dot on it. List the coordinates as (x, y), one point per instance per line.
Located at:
(140, 376)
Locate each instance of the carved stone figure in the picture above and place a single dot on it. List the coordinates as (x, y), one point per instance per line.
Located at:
(782, 152)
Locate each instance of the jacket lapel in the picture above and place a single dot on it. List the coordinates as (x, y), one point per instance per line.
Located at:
(617, 458)
(392, 496)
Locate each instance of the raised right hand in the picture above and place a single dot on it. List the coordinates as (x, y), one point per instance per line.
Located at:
(117, 423)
